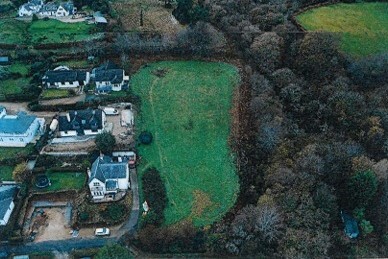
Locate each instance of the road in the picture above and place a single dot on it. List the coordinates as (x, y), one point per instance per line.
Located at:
(80, 243)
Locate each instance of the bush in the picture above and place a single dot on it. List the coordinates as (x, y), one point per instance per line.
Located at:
(155, 195)
(105, 142)
(114, 212)
(145, 137)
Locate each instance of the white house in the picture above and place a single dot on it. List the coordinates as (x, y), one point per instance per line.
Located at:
(30, 8)
(50, 9)
(63, 77)
(109, 77)
(82, 122)
(20, 129)
(7, 193)
(107, 178)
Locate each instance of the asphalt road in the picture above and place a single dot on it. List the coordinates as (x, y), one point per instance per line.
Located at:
(81, 243)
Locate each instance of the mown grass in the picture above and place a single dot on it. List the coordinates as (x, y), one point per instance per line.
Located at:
(6, 173)
(43, 31)
(54, 94)
(63, 181)
(363, 26)
(7, 153)
(187, 111)
(53, 31)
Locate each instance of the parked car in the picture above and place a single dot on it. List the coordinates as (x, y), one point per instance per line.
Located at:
(102, 232)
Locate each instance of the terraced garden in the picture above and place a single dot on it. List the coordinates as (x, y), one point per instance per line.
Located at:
(363, 26)
(186, 106)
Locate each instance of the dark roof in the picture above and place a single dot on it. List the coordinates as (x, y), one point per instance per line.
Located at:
(105, 169)
(113, 76)
(54, 76)
(16, 124)
(81, 120)
(7, 192)
(107, 65)
(69, 6)
(111, 185)
(351, 227)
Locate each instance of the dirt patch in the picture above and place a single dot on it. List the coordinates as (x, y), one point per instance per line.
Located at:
(52, 225)
(85, 146)
(156, 18)
(201, 202)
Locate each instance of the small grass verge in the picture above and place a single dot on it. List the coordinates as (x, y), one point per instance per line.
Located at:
(6, 173)
(49, 94)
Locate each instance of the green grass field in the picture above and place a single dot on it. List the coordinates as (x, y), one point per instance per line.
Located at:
(62, 181)
(13, 152)
(54, 94)
(6, 173)
(187, 112)
(14, 86)
(364, 26)
(40, 32)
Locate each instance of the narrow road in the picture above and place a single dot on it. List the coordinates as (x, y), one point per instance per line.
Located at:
(81, 243)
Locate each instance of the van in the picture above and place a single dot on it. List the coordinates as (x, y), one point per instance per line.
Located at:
(111, 111)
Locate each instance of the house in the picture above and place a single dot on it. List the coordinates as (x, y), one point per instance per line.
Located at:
(82, 122)
(51, 9)
(20, 129)
(351, 227)
(58, 10)
(63, 77)
(4, 60)
(108, 78)
(30, 8)
(7, 194)
(107, 177)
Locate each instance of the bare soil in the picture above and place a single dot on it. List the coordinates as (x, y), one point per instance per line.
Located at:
(156, 17)
(54, 227)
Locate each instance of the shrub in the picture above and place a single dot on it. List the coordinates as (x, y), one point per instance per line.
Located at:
(145, 137)
(155, 195)
(114, 212)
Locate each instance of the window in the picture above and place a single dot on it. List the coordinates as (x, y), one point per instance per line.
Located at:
(96, 184)
(21, 139)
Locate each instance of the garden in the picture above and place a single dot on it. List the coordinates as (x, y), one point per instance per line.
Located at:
(363, 26)
(14, 79)
(49, 94)
(186, 106)
(63, 181)
(6, 173)
(43, 31)
(10, 153)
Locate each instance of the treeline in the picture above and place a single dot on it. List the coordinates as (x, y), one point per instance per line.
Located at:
(317, 139)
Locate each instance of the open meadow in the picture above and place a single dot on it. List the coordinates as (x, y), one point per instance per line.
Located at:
(363, 26)
(186, 107)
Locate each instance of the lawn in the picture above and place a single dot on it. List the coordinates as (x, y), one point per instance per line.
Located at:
(363, 26)
(53, 31)
(6, 173)
(48, 94)
(13, 152)
(14, 86)
(187, 111)
(13, 31)
(62, 181)
(41, 31)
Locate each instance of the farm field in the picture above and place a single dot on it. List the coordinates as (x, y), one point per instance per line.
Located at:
(62, 181)
(363, 26)
(155, 16)
(40, 32)
(187, 111)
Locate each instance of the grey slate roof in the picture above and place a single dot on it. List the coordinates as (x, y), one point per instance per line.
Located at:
(351, 227)
(49, 7)
(20, 125)
(104, 169)
(55, 76)
(114, 76)
(81, 120)
(7, 192)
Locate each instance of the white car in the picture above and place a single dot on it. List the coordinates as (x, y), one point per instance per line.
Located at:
(102, 232)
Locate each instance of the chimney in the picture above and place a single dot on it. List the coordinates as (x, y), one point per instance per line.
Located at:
(89, 172)
(101, 155)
